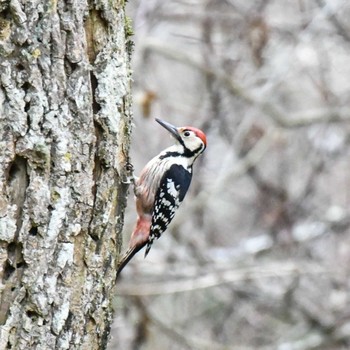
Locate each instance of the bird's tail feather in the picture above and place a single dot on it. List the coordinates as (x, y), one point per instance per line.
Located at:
(129, 254)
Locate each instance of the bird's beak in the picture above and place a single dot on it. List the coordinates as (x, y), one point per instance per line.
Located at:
(171, 128)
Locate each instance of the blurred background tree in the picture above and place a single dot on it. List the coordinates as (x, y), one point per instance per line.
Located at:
(258, 254)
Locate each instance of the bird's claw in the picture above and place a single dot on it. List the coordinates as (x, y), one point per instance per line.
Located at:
(130, 178)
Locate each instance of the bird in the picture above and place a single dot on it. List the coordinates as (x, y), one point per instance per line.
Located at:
(162, 186)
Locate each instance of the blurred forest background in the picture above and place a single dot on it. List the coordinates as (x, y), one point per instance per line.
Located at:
(258, 255)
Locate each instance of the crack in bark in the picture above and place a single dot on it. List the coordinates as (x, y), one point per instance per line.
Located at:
(18, 181)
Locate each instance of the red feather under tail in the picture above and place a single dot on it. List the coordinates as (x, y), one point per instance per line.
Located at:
(139, 239)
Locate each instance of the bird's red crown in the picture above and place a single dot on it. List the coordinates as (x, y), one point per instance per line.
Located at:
(198, 133)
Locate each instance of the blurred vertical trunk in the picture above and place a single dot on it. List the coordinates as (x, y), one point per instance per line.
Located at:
(64, 142)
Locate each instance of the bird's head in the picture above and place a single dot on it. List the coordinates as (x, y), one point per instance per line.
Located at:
(192, 139)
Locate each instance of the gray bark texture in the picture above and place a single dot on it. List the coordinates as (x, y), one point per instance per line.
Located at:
(64, 141)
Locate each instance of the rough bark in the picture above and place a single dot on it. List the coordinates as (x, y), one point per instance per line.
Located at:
(64, 141)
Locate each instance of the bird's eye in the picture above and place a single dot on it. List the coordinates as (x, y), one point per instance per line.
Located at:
(187, 133)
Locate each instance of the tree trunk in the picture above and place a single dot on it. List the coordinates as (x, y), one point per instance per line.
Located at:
(64, 142)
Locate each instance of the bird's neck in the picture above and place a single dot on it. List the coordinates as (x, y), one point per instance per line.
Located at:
(178, 154)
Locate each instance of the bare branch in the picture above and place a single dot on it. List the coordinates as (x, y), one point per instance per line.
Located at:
(217, 278)
(334, 115)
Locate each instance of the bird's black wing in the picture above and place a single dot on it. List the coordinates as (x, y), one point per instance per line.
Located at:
(171, 192)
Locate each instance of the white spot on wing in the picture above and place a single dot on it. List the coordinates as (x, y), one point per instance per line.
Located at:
(171, 188)
(166, 203)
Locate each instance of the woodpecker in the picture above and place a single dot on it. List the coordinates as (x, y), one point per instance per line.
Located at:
(162, 186)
